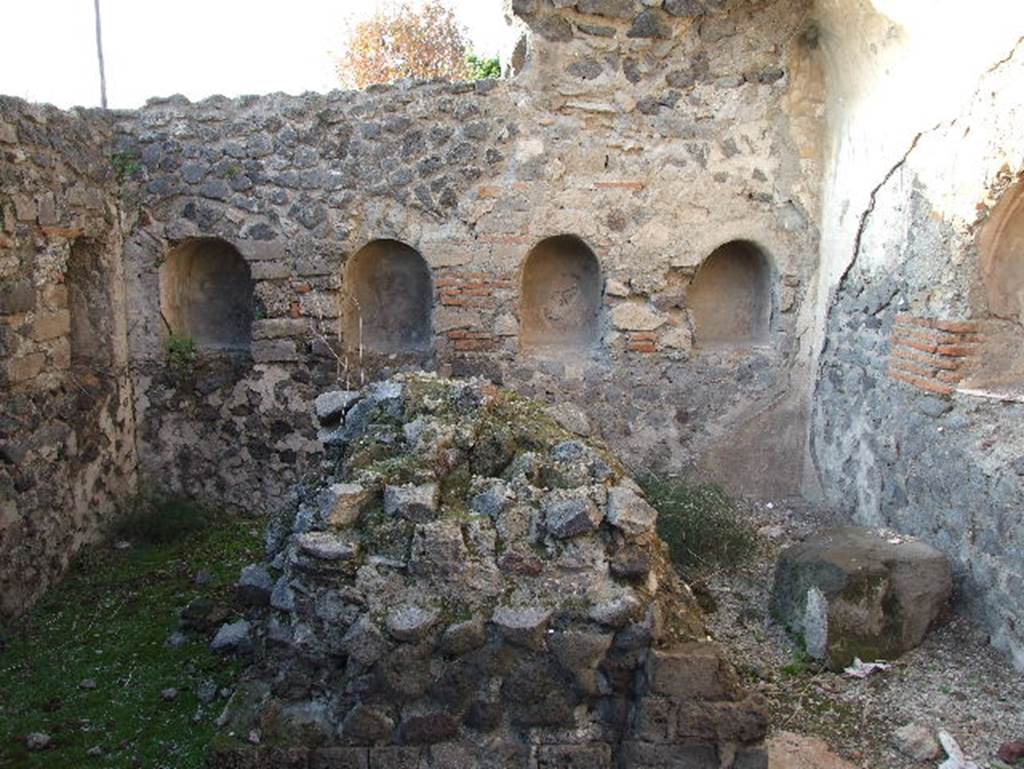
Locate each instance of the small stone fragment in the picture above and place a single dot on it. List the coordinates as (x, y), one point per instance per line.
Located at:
(255, 585)
(917, 742)
(366, 725)
(570, 513)
(88, 684)
(411, 623)
(630, 512)
(617, 611)
(1011, 752)
(412, 502)
(343, 503)
(331, 406)
(169, 694)
(326, 546)
(463, 637)
(37, 740)
(522, 626)
(231, 636)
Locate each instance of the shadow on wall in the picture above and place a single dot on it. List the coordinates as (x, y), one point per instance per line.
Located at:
(561, 296)
(89, 304)
(389, 299)
(206, 294)
(730, 296)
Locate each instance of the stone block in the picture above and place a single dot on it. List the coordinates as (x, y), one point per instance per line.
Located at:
(287, 757)
(51, 325)
(438, 548)
(331, 406)
(525, 626)
(656, 720)
(17, 296)
(396, 757)
(339, 758)
(569, 513)
(255, 585)
(270, 270)
(278, 328)
(635, 316)
(463, 637)
(751, 758)
(274, 351)
(412, 502)
(592, 756)
(855, 592)
(630, 512)
(427, 728)
(366, 725)
(25, 368)
(326, 546)
(237, 757)
(646, 755)
(691, 671)
(343, 503)
(411, 624)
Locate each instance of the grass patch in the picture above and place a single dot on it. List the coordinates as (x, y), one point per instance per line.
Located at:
(109, 621)
(704, 529)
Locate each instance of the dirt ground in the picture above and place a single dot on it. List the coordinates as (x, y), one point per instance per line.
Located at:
(954, 681)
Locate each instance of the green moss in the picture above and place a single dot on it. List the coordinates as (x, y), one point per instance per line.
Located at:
(181, 351)
(109, 621)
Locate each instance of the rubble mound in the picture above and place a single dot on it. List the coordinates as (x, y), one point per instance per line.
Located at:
(468, 584)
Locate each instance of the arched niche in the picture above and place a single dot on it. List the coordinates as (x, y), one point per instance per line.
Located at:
(89, 306)
(561, 295)
(1002, 256)
(389, 299)
(206, 294)
(730, 296)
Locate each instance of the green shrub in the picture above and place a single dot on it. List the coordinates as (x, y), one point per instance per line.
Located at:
(125, 164)
(701, 524)
(154, 518)
(482, 68)
(181, 350)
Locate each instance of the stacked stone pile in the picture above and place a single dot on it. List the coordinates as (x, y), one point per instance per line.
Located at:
(467, 584)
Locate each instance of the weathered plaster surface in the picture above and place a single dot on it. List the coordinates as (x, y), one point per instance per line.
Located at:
(899, 436)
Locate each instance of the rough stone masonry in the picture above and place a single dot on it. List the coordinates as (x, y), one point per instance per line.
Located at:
(467, 584)
(573, 232)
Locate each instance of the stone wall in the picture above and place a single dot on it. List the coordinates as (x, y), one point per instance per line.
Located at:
(917, 410)
(67, 450)
(651, 135)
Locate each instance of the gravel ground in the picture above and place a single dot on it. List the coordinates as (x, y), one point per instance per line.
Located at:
(953, 681)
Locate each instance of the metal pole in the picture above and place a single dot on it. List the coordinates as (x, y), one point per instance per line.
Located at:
(99, 55)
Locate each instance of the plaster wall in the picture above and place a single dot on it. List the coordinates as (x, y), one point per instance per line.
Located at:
(925, 120)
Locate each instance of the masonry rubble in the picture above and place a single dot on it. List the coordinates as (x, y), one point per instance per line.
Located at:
(469, 613)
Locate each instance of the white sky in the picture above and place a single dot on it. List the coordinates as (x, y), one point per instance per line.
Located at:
(193, 47)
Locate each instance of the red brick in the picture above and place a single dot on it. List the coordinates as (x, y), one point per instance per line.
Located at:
(645, 347)
(904, 317)
(910, 368)
(622, 185)
(922, 346)
(923, 384)
(473, 345)
(926, 359)
(957, 326)
(955, 350)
